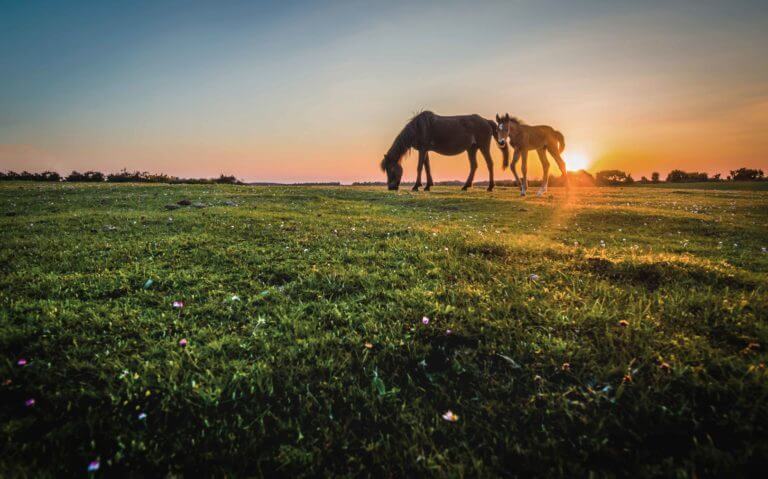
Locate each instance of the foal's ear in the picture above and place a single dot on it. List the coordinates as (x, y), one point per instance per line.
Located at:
(506, 116)
(498, 118)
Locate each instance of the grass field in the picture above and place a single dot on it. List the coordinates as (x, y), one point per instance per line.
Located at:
(610, 331)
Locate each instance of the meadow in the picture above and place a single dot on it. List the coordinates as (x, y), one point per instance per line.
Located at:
(303, 331)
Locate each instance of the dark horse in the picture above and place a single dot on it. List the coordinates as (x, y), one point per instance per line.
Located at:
(446, 135)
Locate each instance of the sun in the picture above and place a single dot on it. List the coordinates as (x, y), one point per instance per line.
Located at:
(576, 160)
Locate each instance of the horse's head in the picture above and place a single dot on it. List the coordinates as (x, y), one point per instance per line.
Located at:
(394, 172)
(505, 125)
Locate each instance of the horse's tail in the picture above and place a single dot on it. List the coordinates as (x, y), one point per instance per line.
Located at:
(560, 140)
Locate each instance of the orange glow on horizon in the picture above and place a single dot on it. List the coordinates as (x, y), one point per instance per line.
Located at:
(577, 160)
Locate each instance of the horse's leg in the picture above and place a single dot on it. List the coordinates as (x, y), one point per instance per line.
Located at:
(418, 172)
(545, 167)
(489, 163)
(429, 172)
(515, 159)
(524, 171)
(472, 151)
(560, 163)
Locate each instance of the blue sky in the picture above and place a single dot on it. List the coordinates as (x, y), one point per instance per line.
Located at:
(295, 91)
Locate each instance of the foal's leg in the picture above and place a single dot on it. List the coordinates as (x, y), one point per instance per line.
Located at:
(472, 167)
(524, 171)
(489, 163)
(418, 172)
(429, 172)
(560, 163)
(545, 167)
(515, 158)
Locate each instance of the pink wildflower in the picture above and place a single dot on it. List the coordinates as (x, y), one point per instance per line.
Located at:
(450, 416)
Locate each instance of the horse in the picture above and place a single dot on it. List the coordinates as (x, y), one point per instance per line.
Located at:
(523, 138)
(446, 135)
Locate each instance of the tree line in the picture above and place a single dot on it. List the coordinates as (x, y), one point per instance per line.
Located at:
(123, 176)
(578, 178)
(615, 178)
(618, 177)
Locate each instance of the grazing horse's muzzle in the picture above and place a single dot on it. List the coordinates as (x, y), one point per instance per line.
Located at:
(502, 143)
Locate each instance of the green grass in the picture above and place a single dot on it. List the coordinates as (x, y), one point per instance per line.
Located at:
(544, 374)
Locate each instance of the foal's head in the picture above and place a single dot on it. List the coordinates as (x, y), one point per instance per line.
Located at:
(507, 126)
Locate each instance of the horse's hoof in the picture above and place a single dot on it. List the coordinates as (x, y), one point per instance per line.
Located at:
(415, 188)
(522, 193)
(427, 188)
(464, 188)
(490, 188)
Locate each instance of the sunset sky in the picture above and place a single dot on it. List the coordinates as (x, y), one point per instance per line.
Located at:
(316, 91)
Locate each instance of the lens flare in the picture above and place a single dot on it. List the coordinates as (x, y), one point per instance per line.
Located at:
(576, 160)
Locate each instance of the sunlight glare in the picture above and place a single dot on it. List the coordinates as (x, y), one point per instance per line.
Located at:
(576, 160)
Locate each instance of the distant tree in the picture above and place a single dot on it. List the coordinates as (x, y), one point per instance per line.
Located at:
(88, 176)
(680, 176)
(676, 176)
(716, 177)
(229, 180)
(27, 176)
(629, 179)
(655, 177)
(575, 178)
(644, 180)
(611, 177)
(125, 176)
(746, 174)
(50, 176)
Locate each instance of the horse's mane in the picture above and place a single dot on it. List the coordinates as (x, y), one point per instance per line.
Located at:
(407, 137)
(514, 119)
